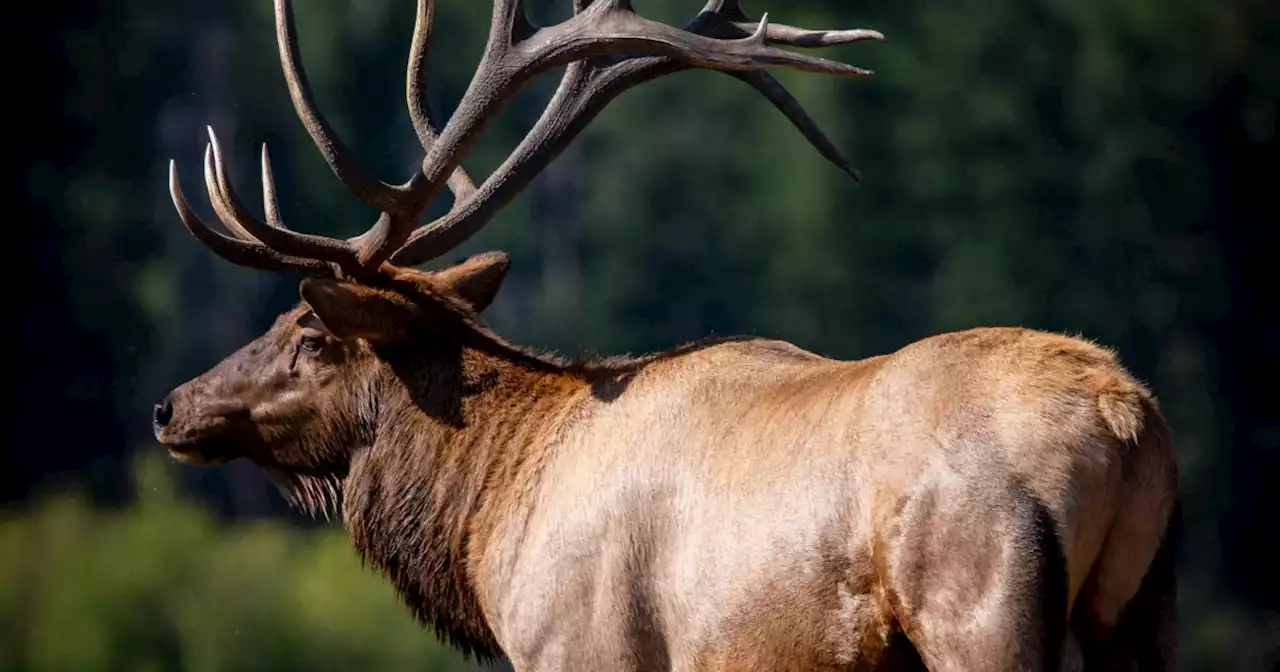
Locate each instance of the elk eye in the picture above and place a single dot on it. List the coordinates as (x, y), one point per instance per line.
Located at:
(312, 341)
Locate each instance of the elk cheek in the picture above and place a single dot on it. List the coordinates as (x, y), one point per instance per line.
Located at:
(281, 409)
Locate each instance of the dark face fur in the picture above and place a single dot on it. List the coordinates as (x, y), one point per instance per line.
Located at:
(301, 397)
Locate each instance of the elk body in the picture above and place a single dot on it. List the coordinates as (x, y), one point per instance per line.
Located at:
(995, 499)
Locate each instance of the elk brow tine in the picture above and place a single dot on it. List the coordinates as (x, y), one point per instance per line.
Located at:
(228, 206)
(353, 175)
(216, 199)
(221, 208)
(231, 200)
(226, 197)
(237, 251)
(424, 124)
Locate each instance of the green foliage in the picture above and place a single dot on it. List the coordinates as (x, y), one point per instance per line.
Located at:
(162, 586)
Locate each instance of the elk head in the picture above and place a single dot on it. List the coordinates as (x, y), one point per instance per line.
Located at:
(302, 396)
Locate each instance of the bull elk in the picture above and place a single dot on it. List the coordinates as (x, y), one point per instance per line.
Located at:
(993, 499)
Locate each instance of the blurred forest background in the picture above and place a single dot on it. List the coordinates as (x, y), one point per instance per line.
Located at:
(1103, 167)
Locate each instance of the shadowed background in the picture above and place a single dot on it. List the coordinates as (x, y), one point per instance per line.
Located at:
(1098, 167)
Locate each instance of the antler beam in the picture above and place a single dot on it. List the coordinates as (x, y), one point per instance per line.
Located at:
(588, 86)
(607, 47)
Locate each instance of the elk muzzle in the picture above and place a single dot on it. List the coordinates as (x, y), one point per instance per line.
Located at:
(194, 430)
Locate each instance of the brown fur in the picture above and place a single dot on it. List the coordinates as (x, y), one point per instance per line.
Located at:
(976, 500)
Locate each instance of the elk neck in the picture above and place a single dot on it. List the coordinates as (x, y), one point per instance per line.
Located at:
(460, 433)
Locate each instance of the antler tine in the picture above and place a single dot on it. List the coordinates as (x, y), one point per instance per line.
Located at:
(396, 224)
(589, 43)
(584, 91)
(239, 251)
(589, 85)
(342, 162)
(748, 53)
(270, 204)
(790, 35)
(786, 103)
(600, 28)
(225, 205)
(424, 123)
(228, 207)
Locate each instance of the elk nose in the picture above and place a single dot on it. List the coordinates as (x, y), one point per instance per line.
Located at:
(162, 413)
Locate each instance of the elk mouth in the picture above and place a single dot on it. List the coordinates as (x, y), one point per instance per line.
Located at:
(204, 446)
(206, 452)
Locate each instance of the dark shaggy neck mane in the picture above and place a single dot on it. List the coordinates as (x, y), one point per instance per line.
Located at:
(460, 434)
(462, 426)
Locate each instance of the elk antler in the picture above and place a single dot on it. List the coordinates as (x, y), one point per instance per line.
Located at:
(608, 49)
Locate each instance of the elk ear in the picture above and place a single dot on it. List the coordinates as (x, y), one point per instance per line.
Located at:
(350, 310)
(475, 280)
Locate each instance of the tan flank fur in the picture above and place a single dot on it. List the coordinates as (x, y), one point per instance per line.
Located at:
(994, 499)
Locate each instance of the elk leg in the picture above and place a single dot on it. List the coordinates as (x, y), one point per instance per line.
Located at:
(1126, 612)
(978, 577)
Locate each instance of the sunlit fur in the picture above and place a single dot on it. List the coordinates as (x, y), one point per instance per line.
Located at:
(983, 500)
